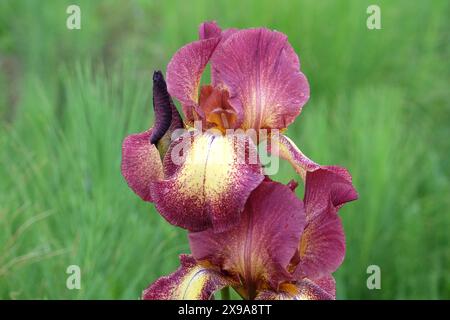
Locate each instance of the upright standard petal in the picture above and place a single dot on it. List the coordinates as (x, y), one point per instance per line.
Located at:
(209, 185)
(261, 246)
(306, 289)
(185, 70)
(141, 163)
(192, 281)
(322, 246)
(258, 68)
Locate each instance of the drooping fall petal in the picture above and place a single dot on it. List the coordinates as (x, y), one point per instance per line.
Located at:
(328, 183)
(306, 289)
(258, 68)
(184, 72)
(260, 247)
(141, 163)
(192, 281)
(209, 185)
(322, 246)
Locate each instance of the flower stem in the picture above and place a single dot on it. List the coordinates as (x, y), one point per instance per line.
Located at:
(225, 293)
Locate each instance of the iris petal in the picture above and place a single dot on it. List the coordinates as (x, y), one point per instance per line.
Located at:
(283, 147)
(184, 73)
(209, 185)
(192, 281)
(321, 289)
(260, 247)
(322, 247)
(141, 163)
(259, 69)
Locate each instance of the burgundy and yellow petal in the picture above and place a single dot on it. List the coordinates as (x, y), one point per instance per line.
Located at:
(192, 281)
(258, 69)
(184, 72)
(283, 147)
(261, 246)
(141, 163)
(306, 289)
(322, 246)
(209, 185)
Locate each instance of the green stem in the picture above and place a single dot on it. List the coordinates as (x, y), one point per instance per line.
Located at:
(225, 293)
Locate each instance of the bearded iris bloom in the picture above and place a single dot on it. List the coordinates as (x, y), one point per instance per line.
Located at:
(256, 83)
(283, 248)
(246, 231)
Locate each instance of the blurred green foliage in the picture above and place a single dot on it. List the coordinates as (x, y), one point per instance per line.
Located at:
(379, 106)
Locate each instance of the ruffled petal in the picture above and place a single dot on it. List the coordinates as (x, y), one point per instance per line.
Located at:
(328, 184)
(322, 289)
(260, 248)
(192, 281)
(259, 70)
(141, 163)
(184, 72)
(283, 147)
(322, 246)
(209, 185)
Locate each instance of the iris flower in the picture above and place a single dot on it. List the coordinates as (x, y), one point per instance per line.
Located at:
(283, 248)
(245, 230)
(256, 84)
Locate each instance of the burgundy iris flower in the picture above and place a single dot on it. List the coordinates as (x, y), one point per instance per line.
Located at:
(246, 231)
(256, 84)
(283, 248)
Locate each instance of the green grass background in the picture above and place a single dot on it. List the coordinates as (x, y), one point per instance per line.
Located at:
(379, 106)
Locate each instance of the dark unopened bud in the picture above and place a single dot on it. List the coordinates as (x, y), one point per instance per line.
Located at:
(162, 106)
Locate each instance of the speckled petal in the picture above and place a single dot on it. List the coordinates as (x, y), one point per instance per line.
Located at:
(259, 249)
(258, 68)
(321, 289)
(322, 246)
(209, 185)
(192, 281)
(141, 163)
